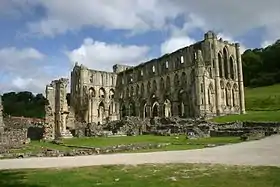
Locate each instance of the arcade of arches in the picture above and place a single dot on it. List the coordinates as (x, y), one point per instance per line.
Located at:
(203, 79)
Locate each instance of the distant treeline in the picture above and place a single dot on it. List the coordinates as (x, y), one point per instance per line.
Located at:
(24, 104)
(261, 67)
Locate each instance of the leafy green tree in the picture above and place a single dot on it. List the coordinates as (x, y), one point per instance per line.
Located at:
(24, 104)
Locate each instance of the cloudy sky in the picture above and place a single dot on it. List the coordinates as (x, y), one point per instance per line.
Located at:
(41, 39)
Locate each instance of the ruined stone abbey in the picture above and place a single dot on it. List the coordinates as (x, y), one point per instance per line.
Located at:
(201, 80)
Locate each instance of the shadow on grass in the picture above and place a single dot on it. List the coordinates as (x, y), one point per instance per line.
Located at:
(15, 179)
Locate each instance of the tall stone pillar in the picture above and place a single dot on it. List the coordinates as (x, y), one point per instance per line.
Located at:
(57, 111)
(240, 79)
(93, 111)
(89, 110)
(217, 76)
(1, 116)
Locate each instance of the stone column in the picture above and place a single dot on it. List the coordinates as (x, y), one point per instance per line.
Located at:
(89, 111)
(217, 78)
(1, 116)
(64, 116)
(93, 110)
(240, 79)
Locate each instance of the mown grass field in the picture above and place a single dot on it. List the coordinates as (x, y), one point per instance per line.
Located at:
(103, 141)
(263, 98)
(176, 143)
(262, 104)
(179, 175)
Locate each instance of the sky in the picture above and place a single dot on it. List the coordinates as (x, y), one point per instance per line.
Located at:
(40, 40)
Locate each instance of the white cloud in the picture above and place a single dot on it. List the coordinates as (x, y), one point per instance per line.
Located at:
(176, 43)
(234, 17)
(23, 69)
(231, 40)
(101, 55)
(133, 15)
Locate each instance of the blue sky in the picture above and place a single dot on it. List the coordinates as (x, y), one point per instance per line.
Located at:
(40, 40)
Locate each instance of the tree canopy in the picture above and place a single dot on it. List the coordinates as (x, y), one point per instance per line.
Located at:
(261, 66)
(24, 104)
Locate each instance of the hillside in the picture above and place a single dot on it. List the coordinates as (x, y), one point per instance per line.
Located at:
(263, 98)
(262, 104)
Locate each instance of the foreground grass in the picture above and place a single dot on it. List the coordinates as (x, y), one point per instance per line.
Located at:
(272, 116)
(263, 98)
(194, 175)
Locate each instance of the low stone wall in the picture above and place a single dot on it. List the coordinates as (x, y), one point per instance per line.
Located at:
(12, 139)
(82, 151)
(242, 128)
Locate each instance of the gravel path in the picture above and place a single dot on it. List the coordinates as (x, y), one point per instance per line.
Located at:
(265, 152)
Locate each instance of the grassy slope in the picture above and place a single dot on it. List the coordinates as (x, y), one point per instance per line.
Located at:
(194, 175)
(262, 104)
(263, 98)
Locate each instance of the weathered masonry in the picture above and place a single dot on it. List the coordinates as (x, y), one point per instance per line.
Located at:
(201, 80)
(1, 116)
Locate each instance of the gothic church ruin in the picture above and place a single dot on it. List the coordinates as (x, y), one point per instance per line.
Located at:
(201, 80)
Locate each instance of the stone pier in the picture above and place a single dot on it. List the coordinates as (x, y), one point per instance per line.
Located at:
(57, 111)
(1, 116)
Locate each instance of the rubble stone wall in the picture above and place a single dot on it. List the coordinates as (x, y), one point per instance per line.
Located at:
(13, 138)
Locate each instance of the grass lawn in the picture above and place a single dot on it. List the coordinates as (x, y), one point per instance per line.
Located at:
(37, 146)
(180, 140)
(179, 175)
(273, 116)
(180, 143)
(262, 104)
(263, 98)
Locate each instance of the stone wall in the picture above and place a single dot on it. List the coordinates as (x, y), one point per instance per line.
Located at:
(13, 138)
(200, 80)
(241, 128)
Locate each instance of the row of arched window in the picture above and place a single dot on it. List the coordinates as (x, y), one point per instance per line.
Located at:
(153, 69)
(180, 80)
(231, 95)
(102, 93)
(226, 65)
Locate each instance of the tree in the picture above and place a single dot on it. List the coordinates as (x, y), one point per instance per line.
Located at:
(261, 66)
(24, 104)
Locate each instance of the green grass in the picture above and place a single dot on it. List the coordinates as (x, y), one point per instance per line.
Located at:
(263, 98)
(262, 104)
(103, 141)
(164, 175)
(180, 143)
(37, 146)
(269, 116)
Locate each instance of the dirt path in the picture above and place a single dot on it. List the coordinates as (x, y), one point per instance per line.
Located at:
(265, 152)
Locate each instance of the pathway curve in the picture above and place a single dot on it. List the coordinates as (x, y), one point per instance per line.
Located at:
(265, 152)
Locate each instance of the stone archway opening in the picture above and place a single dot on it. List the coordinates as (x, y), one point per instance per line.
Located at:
(132, 111)
(101, 112)
(167, 108)
(102, 93)
(181, 103)
(111, 94)
(155, 110)
(145, 111)
(123, 111)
